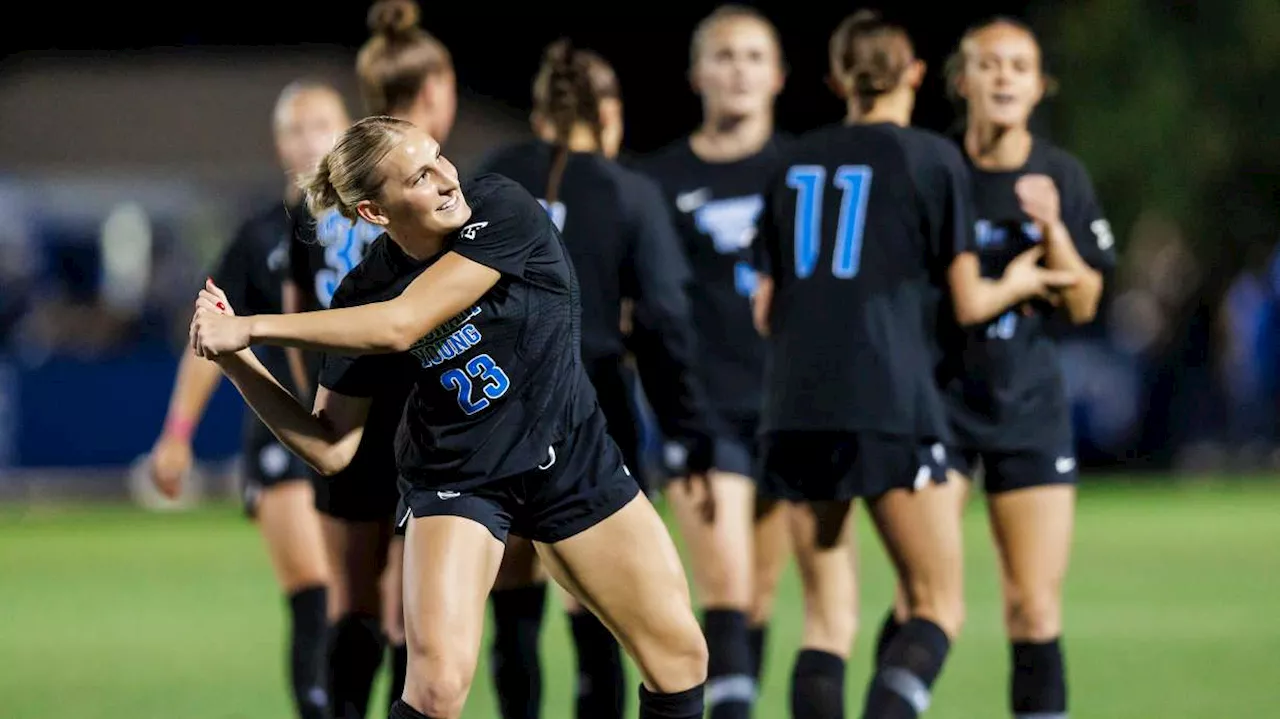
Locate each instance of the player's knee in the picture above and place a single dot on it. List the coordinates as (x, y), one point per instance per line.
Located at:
(677, 662)
(724, 584)
(831, 625)
(762, 600)
(1033, 615)
(440, 689)
(938, 601)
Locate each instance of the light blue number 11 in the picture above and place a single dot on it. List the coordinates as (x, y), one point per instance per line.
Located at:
(809, 182)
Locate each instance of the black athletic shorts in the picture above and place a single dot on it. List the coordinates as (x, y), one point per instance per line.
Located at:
(363, 492)
(265, 463)
(1007, 470)
(583, 482)
(839, 466)
(735, 452)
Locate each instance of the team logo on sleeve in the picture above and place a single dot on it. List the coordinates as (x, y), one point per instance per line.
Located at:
(1102, 230)
(470, 230)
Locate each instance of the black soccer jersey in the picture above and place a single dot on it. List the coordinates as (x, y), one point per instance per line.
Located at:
(251, 270)
(856, 232)
(499, 383)
(1002, 382)
(324, 251)
(716, 206)
(618, 231)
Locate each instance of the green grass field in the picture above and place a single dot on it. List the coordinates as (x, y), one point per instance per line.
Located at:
(1172, 611)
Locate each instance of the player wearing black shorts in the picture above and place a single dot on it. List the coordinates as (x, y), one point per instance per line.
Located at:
(857, 236)
(713, 182)
(472, 290)
(405, 72)
(620, 239)
(1004, 391)
(276, 490)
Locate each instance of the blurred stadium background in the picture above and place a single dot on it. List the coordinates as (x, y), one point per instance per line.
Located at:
(131, 143)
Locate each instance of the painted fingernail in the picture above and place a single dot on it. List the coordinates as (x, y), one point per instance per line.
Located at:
(221, 306)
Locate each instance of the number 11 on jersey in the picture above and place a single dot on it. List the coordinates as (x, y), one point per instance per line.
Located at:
(809, 182)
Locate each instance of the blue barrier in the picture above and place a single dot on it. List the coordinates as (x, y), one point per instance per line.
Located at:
(68, 412)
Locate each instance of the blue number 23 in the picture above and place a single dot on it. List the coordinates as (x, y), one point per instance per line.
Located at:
(809, 182)
(481, 367)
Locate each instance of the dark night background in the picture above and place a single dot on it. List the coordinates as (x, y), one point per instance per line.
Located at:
(496, 51)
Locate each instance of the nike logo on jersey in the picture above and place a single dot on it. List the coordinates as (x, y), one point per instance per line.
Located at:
(1064, 465)
(551, 459)
(470, 230)
(693, 199)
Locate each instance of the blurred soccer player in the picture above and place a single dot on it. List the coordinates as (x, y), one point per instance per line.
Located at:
(713, 181)
(472, 291)
(308, 117)
(1000, 374)
(619, 235)
(856, 239)
(405, 72)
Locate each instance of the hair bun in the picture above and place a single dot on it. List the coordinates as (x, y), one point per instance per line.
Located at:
(559, 53)
(393, 17)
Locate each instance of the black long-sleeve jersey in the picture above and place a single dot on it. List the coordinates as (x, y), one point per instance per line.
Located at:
(623, 244)
(857, 233)
(502, 381)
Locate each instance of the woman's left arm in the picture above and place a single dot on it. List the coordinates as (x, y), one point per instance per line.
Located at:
(1041, 201)
(442, 291)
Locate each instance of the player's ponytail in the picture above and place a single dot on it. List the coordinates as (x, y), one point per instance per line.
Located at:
(348, 174)
(567, 93)
(869, 56)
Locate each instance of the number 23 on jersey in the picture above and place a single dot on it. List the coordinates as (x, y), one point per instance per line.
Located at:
(809, 182)
(493, 383)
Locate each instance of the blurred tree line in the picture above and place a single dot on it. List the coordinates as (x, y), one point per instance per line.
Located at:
(1172, 104)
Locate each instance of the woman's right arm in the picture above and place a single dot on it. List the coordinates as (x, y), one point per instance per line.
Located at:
(326, 439)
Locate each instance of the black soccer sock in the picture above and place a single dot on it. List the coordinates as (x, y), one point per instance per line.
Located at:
(355, 651)
(817, 686)
(1038, 687)
(400, 710)
(757, 637)
(730, 690)
(513, 658)
(306, 655)
(681, 705)
(399, 665)
(601, 679)
(901, 688)
(888, 631)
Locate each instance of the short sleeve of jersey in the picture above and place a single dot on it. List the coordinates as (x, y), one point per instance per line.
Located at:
(946, 193)
(233, 271)
(503, 229)
(1083, 216)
